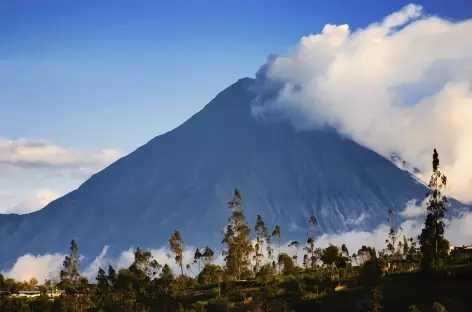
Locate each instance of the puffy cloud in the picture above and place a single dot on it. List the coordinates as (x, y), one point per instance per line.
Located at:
(413, 210)
(37, 154)
(40, 266)
(39, 199)
(401, 85)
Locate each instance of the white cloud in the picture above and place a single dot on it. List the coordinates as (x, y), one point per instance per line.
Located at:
(100, 262)
(401, 17)
(41, 267)
(413, 210)
(358, 220)
(39, 199)
(38, 154)
(459, 230)
(5, 195)
(401, 85)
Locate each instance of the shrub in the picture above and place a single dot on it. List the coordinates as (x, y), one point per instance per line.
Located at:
(237, 297)
(413, 308)
(218, 306)
(437, 307)
(199, 306)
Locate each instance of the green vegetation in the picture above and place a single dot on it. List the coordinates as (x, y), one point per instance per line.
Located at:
(401, 277)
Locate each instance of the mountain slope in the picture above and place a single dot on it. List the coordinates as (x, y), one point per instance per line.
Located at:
(184, 178)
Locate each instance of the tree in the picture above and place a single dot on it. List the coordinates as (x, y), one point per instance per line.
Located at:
(70, 275)
(210, 274)
(102, 281)
(392, 237)
(111, 276)
(197, 258)
(145, 263)
(165, 278)
(262, 236)
(310, 258)
(266, 273)
(176, 246)
(437, 307)
(330, 256)
(277, 234)
(366, 253)
(2, 282)
(344, 250)
(285, 262)
(295, 244)
(371, 279)
(102, 287)
(432, 242)
(208, 255)
(237, 239)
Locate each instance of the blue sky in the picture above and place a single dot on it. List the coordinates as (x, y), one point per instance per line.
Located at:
(94, 75)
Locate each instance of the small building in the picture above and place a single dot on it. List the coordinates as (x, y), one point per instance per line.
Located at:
(26, 294)
(464, 250)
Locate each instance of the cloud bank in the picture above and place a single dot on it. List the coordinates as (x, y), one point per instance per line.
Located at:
(458, 232)
(41, 266)
(401, 85)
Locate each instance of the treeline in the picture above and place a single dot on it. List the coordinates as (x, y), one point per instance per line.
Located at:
(255, 271)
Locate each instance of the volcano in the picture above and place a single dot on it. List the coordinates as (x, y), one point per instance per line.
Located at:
(184, 178)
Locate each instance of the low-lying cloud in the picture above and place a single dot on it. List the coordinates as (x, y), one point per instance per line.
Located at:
(401, 85)
(40, 266)
(413, 209)
(458, 232)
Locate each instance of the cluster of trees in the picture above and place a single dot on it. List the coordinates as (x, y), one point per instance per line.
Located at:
(249, 253)
(10, 285)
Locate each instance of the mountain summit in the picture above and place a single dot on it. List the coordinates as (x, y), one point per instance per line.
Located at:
(184, 178)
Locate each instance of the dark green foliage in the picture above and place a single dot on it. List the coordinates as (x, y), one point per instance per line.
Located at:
(197, 258)
(69, 275)
(236, 297)
(336, 286)
(296, 245)
(210, 274)
(262, 237)
(437, 307)
(312, 255)
(330, 256)
(266, 273)
(208, 255)
(237, 239)
(432, 241)
(177, 247)
(2, 283)
(286, 263)
(218, 305)
(413, 308)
